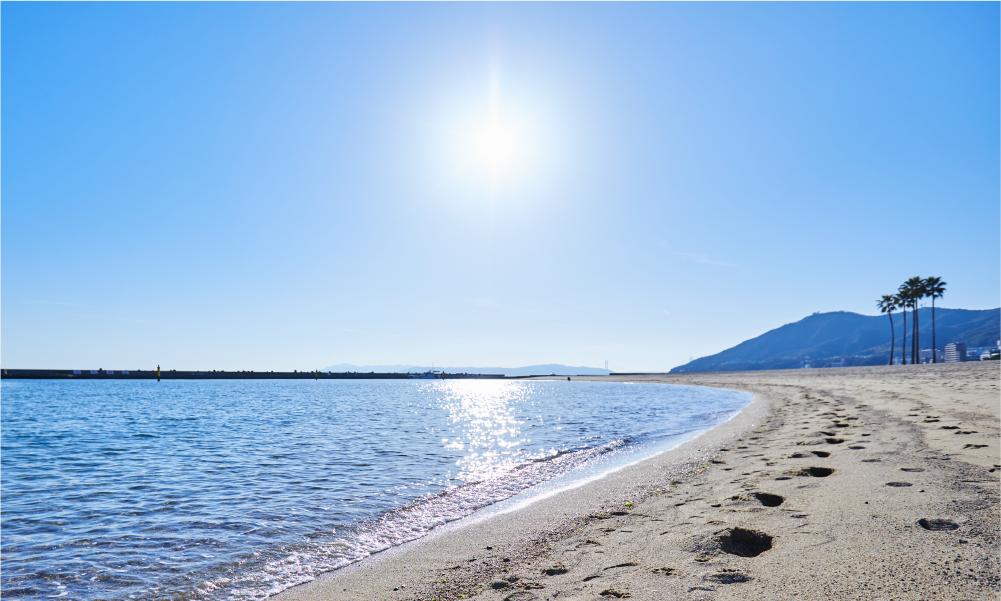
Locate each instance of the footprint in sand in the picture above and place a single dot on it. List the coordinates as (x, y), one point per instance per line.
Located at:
(768, 499)
(821, 453)
(816, 472)
(744, 543)
(728, 576)
(912, 469)
(937, 524)
(665, 571)
(899, 484)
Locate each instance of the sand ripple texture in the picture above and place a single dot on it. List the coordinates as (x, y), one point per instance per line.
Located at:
(240, 489)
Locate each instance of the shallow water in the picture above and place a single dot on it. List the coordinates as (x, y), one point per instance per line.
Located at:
(239, 489)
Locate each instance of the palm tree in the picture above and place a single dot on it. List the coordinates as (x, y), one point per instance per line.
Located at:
(886, 305)
(915, 292)
(900, 299)
(935, 288)
(922, 292)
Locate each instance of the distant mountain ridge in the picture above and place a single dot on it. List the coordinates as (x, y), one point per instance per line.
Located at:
(840, 334)
(531, 370)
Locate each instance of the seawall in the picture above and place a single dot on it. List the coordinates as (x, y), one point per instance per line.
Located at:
(149, 374)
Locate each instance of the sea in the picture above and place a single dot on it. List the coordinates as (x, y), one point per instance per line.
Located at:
(239, 489)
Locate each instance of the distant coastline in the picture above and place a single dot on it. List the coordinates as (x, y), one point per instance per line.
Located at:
(343, 371)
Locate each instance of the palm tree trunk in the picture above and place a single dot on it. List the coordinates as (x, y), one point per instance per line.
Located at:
(934, 355)
(917, 336)
(903, 344)
(892, 336)
(911, 348)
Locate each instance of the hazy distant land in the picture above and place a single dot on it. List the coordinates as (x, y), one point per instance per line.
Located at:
(531, 370)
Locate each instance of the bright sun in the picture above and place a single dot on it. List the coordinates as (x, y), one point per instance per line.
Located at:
(495, 144)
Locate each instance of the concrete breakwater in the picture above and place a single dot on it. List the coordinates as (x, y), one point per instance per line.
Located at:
(151, 374)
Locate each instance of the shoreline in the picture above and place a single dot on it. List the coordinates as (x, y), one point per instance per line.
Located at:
(414, 570)
(857, 533)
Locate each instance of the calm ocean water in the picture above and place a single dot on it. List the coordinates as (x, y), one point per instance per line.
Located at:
(239, 489)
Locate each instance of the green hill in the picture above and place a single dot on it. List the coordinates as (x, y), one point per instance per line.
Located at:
(861, 339)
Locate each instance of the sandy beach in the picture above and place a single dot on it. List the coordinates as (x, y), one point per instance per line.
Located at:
(851, 483)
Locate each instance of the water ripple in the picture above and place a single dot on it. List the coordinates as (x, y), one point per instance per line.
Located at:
(240, 489)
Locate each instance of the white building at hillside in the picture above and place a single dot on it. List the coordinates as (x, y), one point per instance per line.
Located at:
(955, 352)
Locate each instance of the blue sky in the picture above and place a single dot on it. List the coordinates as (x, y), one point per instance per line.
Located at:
(295, 185)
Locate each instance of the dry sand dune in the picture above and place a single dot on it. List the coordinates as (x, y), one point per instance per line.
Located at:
(859, 483)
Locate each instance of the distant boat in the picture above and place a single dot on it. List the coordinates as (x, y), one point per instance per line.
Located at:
(428, 375)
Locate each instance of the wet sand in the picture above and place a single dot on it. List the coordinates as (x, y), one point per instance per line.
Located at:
(851, 483)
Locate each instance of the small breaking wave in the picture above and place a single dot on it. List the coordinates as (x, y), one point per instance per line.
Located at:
(258, 578)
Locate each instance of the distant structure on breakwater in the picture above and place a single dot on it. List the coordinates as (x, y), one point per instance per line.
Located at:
(151, 374)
